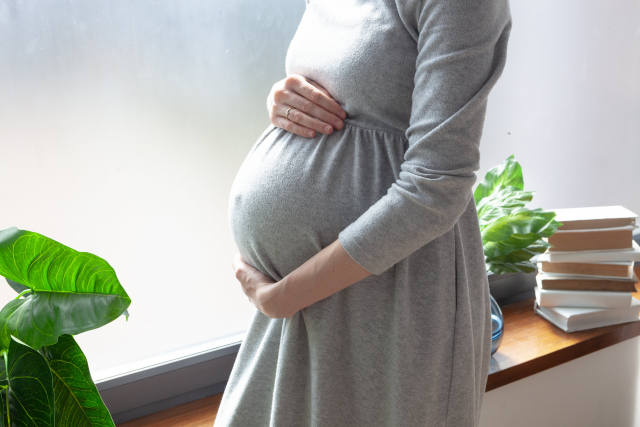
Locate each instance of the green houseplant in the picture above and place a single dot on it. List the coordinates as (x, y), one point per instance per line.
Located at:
(45, 380)
(511, 233)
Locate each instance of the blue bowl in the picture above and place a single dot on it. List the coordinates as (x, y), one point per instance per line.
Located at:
(497, 325)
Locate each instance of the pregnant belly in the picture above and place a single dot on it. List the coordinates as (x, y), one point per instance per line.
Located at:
(293, 195)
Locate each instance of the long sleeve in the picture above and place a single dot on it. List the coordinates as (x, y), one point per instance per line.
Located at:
(461, 53)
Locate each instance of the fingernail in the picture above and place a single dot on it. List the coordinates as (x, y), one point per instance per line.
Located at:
(310, 133)
(343, 115)
(338, 124)
(327, 129)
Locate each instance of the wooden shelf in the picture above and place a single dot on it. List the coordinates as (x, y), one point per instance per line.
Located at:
(530, 345)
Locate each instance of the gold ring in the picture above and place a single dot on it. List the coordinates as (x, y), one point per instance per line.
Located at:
(287, 113)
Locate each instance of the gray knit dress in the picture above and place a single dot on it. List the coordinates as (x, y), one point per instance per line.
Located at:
(409, 345)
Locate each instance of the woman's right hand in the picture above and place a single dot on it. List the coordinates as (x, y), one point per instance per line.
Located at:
(311, 108)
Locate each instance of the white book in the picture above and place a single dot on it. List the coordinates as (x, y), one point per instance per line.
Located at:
(594, 217)
(595, 230)
(555, 276)
(572, 319)
(586, 299)
(628, 264)
(631, 254)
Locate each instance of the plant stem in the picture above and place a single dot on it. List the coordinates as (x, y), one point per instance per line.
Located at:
(27, 291)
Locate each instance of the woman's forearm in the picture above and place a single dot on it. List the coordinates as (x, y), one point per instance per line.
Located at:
(328, 272)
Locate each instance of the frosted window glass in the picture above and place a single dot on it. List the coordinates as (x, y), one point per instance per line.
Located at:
(122, 126)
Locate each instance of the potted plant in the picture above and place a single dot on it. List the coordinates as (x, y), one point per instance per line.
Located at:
(45, 379)
(511, 233)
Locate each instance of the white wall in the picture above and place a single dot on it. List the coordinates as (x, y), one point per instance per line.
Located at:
(568, 103)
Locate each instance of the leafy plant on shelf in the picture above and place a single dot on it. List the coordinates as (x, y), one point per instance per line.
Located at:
(45, 380)
(511, 233)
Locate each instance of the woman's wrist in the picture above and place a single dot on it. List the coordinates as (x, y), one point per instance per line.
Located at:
(274, 300)
(327, 273)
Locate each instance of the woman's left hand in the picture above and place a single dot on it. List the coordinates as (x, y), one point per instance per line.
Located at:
(327, 272)
(259, 288)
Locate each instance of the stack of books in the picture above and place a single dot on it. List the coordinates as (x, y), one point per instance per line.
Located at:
(586, 279)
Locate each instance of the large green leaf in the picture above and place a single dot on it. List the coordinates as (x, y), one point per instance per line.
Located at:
(521, 221)
(4, 401)
(3, 373)
(78, 403)
(73, 291)
(509, 245)
(520, 267)
(502, 202)
(30, 389)
(506, 174)
(523, 254)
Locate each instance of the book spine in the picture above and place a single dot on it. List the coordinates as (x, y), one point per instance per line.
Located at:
(583, 299)
(613, 256)
(576, 284)
(602, 270)
(590, 240)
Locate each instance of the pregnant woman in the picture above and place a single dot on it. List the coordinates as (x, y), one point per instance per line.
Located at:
(358, 235)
